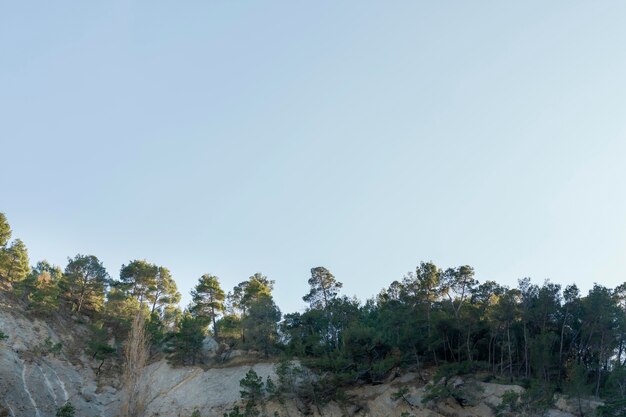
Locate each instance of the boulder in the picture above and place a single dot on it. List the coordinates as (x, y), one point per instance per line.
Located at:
(209, 346)
(572, 406)
(88, 393)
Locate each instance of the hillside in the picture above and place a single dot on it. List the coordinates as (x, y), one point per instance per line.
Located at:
(35, 381)
(78, 342)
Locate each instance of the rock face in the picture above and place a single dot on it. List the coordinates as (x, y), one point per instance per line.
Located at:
(180, 391)
(35, 381)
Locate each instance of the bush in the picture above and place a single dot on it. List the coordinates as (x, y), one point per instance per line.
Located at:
(446, 385)
(66, 410)
(510, 403)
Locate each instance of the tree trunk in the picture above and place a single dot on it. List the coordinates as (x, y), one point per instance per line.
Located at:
(526, 361)
(561, 348)
(214, 325)
(508, 335)
(599, 372)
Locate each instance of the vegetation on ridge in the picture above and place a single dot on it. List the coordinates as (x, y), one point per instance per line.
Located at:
(545, 337)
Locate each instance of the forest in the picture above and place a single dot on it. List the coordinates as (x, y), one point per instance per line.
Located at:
(545, 337)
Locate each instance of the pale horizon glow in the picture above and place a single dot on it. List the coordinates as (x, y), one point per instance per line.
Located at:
(240, 137)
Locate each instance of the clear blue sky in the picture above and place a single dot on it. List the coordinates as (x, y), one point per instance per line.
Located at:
(233, 137)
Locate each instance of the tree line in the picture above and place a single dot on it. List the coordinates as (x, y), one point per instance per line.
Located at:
(542, 335)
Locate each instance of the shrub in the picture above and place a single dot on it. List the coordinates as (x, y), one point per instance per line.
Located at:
(510, 403)
(66, 410)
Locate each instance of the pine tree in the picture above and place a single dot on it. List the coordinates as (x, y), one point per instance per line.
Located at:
(139, 280)
(185, 345)
(84, 282)
(208, 300)
(14, 262)
(324, 288)
(261, 324)
(163, 293)
(5, 231)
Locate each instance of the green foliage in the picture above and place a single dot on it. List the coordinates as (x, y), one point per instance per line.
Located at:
(66, 410)
(510, 403)
(614, 407)
(3, 336)
(441, 391)
(235, 412)
(324, 288)
(261, 324)
(272, 389)
(184, 346)
(208, 300)
(400, 393)
(196, 413)
(537, 398)
(577, 384)
(292, 382)
(84, 283)
(163, 293)
(14, 262)
(542, 336)
(615, 393)
(155, 328)
(98, 345)
(447, 383)
(5, 230)
(230, 328)
(253, 393)
(42, 288)
(253, 388)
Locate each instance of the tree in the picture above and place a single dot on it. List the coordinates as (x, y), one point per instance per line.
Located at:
(261, 324)
(119, 310)
(208, 299)
(252, 388)
(5, 231)
(85, 282)
(324, 288)
(98, 345)
(248, 292)
(14, 262)
(571, 296)
(253, 392)
(185, 345)
(599, 330)
(163, 293)
(257, 286)
(44, 297)
(506, 312)
(41, 288)
(422, 290)
(139, 280)
(14, 257)
(230, 328)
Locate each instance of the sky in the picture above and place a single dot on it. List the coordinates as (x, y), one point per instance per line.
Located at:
(234, 137)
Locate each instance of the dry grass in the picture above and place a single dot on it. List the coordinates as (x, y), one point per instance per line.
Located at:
(136, 352)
